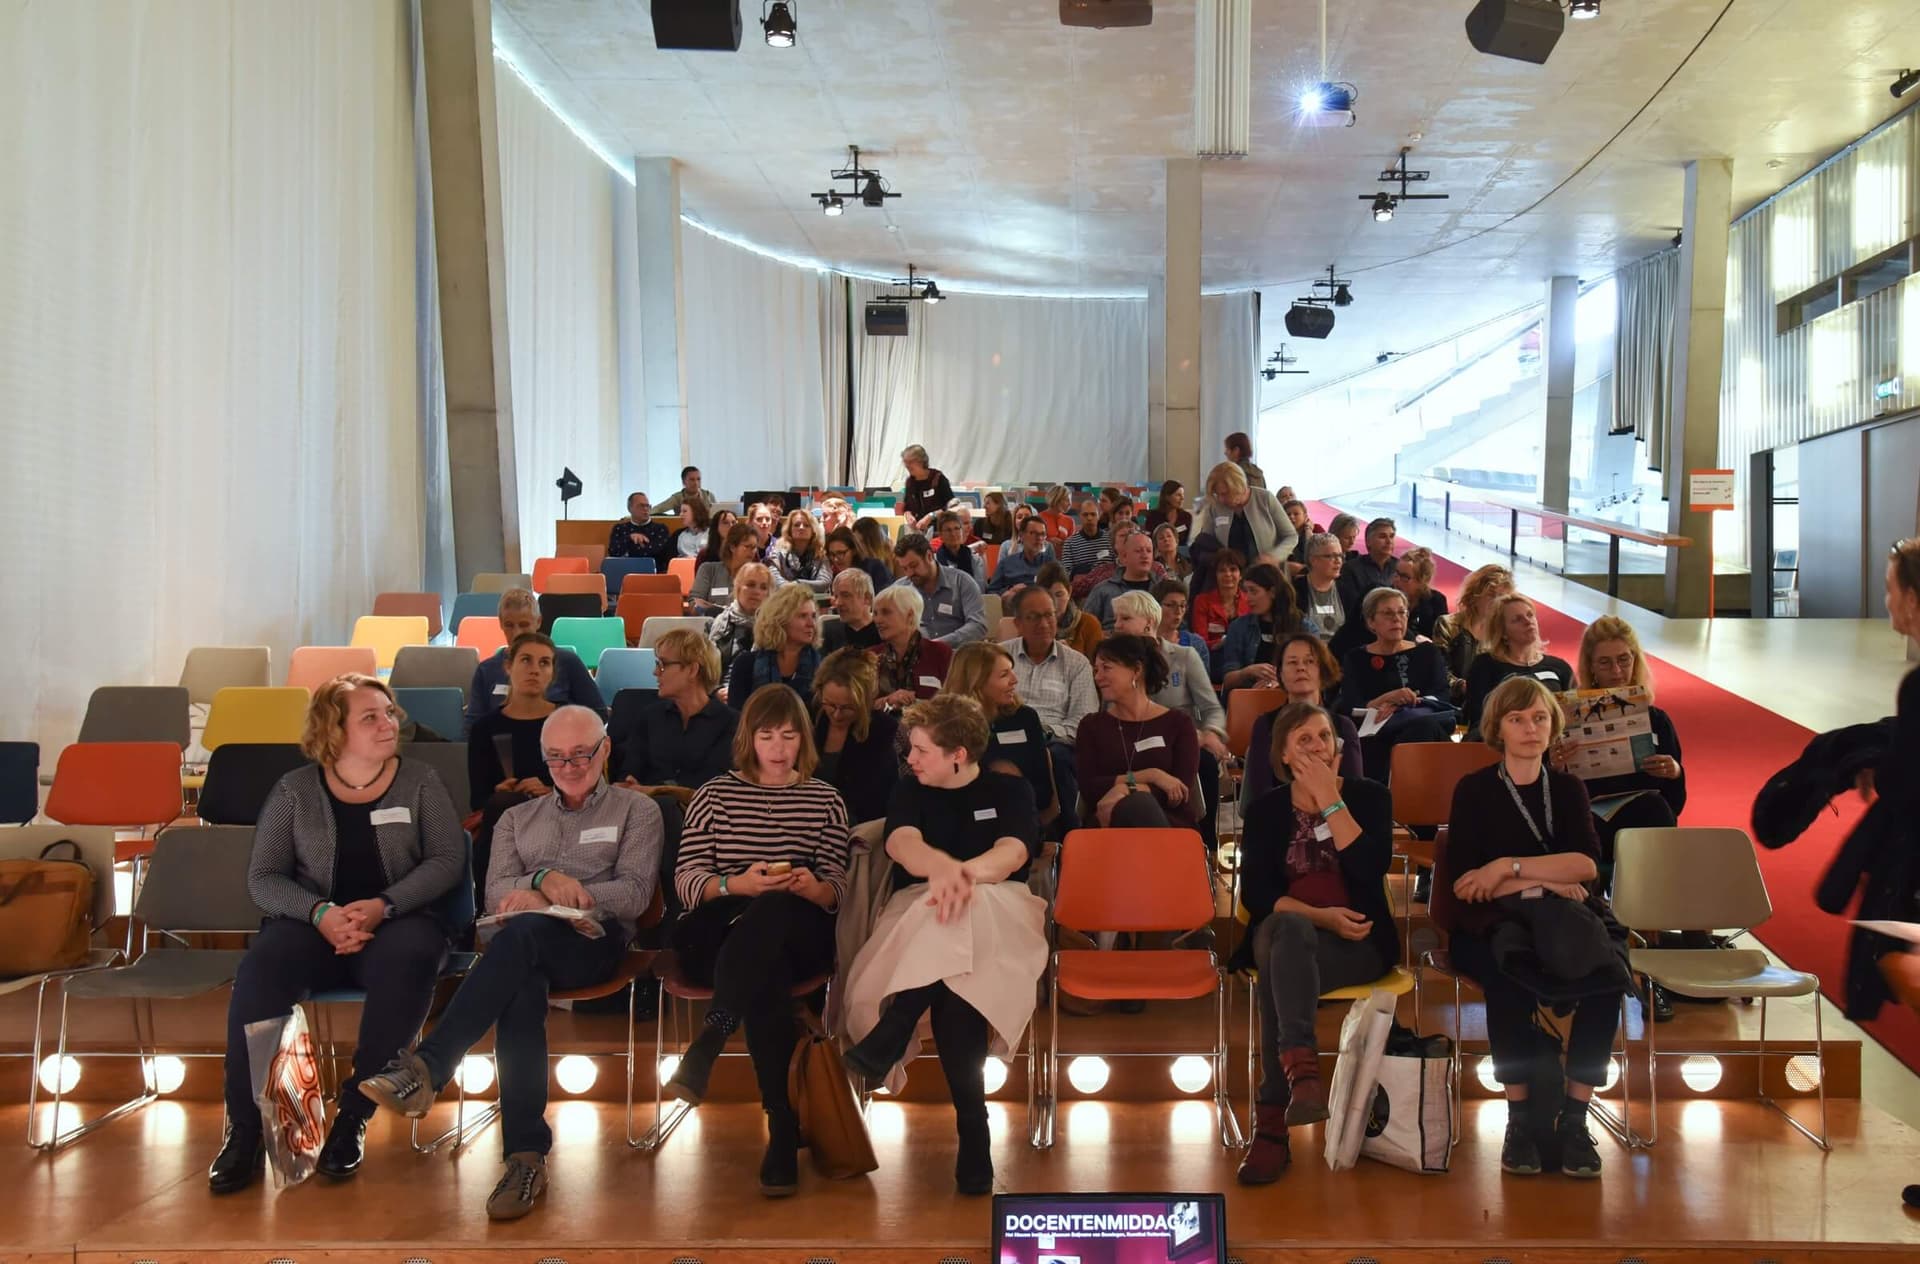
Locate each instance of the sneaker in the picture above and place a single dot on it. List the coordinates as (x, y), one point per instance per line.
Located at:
(1579, 1158)
(404, 1085)
(524, 1181)
(1519, 1154)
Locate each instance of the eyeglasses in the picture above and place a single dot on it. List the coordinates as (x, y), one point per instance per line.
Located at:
(659, 663)
(575, 761)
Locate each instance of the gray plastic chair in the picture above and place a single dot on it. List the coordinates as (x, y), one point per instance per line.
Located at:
(659, 625)
(211, 668)
(138, 713)
(435, 667)
(196, 883)
(449, 759)
(499, 581)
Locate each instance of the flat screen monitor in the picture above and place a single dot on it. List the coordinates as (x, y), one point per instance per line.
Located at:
(1165, 1228)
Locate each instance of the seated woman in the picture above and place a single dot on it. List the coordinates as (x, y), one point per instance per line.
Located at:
(685, 739)
(1413, 576)
(762, 869)
(732, 629)
(1246, 655)
(798, 558)
(784, 629)
(927, 491)
(1189, 690)
(504, 767)
(1403, 682)
(1304, 533)
(835, 515)
(1167, 554)
(1324, 600)
(348, 903)
(876, 552)
(1078, 629)
(845, 552)
(910, 665)
(1058, 515)
(1016, 740)
(856, 743)
(1512, 647)
(1215, 608)
(853, 604)
(695, 522)
(713, 582)
(589, 847)
(1346, 529)
(996, 520)
(1314, 856)
(961, 936)
(1170, 510)
(1459, 634)
(1520, 833)
(1136, 761)
(1172, 596)
(1308, 674)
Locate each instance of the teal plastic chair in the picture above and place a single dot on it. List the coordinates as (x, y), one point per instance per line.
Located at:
(476, 604)
(626, 669)
(441, 709)
(589, 638)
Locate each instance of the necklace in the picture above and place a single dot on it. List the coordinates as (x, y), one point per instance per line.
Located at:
(1546, 798)
(378, 773)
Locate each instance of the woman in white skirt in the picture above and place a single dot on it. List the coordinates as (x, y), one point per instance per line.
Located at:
(961, 938)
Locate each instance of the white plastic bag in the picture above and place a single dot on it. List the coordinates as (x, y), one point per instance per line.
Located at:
(1410, 1118)
(1363, 1036)
(286, 1085)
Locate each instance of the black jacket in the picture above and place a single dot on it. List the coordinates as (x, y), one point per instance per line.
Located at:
(1268, 831)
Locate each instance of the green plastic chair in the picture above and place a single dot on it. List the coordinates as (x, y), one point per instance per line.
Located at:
(588, 637)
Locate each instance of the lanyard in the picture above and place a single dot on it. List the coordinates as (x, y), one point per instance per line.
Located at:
(1546, 798)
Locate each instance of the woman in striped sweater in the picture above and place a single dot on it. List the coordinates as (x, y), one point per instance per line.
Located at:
(762, 870)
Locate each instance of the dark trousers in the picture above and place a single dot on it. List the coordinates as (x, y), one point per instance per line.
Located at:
(752, 950)
(960, 1037)
(1066, 786)
(290, 960)
(1139, 810)
(1643, 811)
(1208, 809)
(1510, 1018)
(1298, 961)
(507, 990)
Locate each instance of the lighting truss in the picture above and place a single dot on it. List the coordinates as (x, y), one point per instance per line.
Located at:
(1384, 204)
(865, 186)
(914, 287)
(1280, 363)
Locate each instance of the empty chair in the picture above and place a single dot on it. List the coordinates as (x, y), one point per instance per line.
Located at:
(499, 581)
(211, 668)
(589, 637)
(636, 609)
(990, 605)
(435, 667)
(385, 634)
(256, 715)
(657, 626)
(593, 553)
(239, 775)
(545, 568)
(683, 568)
(625, 669)
(449, 759)
(473, 604)
(616, 571)
(130, 785)
(648, 583)
(137, 713)
(425, 604)
(483, 636)
(310, 666)
(443, 710)
(19, 782)
(1244, 707)
(556, 606)
(594, 584)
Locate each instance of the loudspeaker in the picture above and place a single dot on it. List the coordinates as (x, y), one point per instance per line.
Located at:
(709, 25)
(1304, 321)
(886, 320)
(1101, 14)
(1525, 30)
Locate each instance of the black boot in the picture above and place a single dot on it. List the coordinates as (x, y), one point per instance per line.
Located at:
(242, 1157)
(780, 1166)
(877, 1053)
(973, 1169)
(1518, 1153)
(689, 1082)
(345, 1148)
(1579, 1157)
(1662, 1003)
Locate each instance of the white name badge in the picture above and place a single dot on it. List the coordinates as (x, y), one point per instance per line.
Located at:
(1173, 681)
(1547, 676)
(1104, 553)
(1013, 737)
(1266, 636)
(1323, 831)
(929, 682)
(716, 592)
(985, 814)
(1216, 627)
(601, 834)
(944, 608)
(1222, 520)
(500, 690)
(1156, 742)
(391, 816)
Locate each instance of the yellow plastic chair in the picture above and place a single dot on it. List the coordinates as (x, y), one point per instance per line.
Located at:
(387, 634)
(245, 714)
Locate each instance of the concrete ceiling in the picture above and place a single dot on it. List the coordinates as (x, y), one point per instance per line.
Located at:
(1030, 155)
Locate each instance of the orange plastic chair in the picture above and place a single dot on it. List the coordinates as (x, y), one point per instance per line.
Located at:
(1142, 880)
(684, 568)
(1244, 706)
(420, 603)
(311, 666)
(593, 584)
(127, 785)
(1423, 776)
(635, 609)
(545, 568)
(652, 584)
(483, 635)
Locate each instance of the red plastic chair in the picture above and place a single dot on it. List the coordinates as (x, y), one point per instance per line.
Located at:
(546, 567)
(127, 785)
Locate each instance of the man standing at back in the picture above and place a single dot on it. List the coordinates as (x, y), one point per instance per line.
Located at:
(690, 489)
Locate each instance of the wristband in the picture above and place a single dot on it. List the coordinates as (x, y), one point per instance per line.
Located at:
(723, 884)
(1132, 782)
(1338, 805)
(539, 876)
(319, 911)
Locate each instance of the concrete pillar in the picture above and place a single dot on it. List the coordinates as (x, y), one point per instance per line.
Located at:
(1180, 308)
(1157, 380)
(1693, 439)
(464, 158)
(662, 308)
(1556, 341)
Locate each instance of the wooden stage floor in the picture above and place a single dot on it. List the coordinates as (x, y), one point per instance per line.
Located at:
(1729, 1182)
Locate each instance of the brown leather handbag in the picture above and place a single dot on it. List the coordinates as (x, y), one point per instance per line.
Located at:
(831, 1125)
(46, 912)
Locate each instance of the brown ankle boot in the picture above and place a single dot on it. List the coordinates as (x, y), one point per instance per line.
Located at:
(1269, 1155)
(1308, 1101)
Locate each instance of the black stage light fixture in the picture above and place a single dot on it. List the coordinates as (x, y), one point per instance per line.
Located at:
(1905, 84)
(776, 20)
(873, 193)
(1336, 289)
(1280, 363)
(931, 294)
(864, 184)
(832, 205)
(1583, 10)
(1308, 319)
(570, 487)
(697, 25)
(1343, 297)
(1524, 30)
(1383, 205)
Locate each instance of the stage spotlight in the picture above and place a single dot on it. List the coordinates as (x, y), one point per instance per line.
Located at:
(1701, 1072)
(931, 294)
(1088, 1074)
(1342, 297)
(1803, 1073)
(1191, 1073)
(994, 1074)
(1905, 83)
(1583, 10)
(777, 22)
(575, 1073)
(1488, 1080)
(474, 1074)
(872, 193)
(669, 1063)
(1382, 207)
(164, 1074)
(59, 1075)
(833, 206)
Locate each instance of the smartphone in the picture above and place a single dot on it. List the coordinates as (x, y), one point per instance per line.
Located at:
(779, 868)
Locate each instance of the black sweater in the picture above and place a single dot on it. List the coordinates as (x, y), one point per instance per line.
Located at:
(865, 772)
(1266, 833)
(1361, 681)
(1487, 672)
(1665, 742)
(1484, 825)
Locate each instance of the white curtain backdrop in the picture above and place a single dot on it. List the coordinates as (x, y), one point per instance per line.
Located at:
(754, 337)
(557, 201)
(1229, 368)
(1004, 388)
(208, 374)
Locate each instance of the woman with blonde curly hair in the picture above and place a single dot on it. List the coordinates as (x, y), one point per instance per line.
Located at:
(1458, 634)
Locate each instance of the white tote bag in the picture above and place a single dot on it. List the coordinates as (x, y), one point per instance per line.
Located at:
(1410, 1119)
(1363, 1038)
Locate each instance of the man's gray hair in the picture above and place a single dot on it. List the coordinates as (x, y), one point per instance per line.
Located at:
(856, 579)
(569, 713)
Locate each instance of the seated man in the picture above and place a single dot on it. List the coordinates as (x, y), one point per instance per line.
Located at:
(955, 551)
(640, 534)
(588, 847)
(690, 489)
(1089, 546)
(1123, 530)
(1057, 682)
(1373, 568)
(1018, 568)
(572, 683)
(853, 603)
(1135, 575)
(953, 613)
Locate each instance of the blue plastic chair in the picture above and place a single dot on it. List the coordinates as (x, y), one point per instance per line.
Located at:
(589, 637)
(616, 570)
(20, 776)
(442, 710)
(626, 669)
(486, 605)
